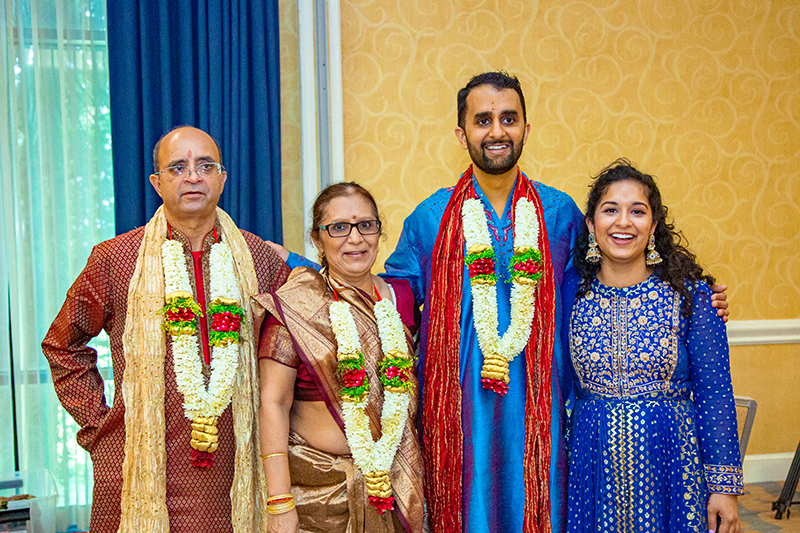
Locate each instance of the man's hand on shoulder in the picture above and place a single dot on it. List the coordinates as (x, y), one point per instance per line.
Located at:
(719, 301)
(282, 252)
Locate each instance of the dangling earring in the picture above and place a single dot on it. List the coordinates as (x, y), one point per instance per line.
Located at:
(652, 258)
(593, 253)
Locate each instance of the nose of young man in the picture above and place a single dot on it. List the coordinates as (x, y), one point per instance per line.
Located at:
(496, 137)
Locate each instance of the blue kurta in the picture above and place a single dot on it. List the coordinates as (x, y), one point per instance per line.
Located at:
(643, 455)
(493, 493)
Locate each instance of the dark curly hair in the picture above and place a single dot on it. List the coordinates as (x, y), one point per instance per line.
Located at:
(678, 266)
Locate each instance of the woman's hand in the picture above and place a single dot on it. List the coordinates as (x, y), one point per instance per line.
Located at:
(726, 506)
(283, 523)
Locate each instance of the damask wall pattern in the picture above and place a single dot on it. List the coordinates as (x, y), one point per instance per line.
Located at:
(704, 94)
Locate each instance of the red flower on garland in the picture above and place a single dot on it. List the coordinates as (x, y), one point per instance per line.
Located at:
(180, 314)
(202, 459)
(481, 267)
(494, 385)
(382, 504)
(530, 266)
(394, 372)
(226, 321)
(353, 377)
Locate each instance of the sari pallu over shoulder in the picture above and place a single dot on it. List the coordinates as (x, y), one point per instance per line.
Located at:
(301, 306)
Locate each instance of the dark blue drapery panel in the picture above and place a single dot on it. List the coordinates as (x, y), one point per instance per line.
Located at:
(213, 64)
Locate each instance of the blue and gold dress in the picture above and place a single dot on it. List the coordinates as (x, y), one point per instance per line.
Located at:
(654, 426)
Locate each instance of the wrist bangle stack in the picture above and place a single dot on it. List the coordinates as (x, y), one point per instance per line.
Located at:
(282, 503)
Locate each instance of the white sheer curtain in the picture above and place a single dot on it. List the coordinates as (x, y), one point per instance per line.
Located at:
(57, 202)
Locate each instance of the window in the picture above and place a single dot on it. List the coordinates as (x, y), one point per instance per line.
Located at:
(57, 203)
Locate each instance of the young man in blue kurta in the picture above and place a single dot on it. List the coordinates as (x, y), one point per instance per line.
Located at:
(493, 128)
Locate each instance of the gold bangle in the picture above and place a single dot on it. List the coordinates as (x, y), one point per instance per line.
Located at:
(280, 508)
(267, 456)
(280, 497)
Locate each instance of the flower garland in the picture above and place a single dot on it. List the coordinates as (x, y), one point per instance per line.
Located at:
(525, 269)
(374, 459)
(202, 405)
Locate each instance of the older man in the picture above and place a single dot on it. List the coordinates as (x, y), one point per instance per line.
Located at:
(178, 448)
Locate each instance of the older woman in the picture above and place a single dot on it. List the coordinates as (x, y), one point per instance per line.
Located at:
(337, 384)
(653, 444)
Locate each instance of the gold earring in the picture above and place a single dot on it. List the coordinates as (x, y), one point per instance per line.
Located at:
(652, 258)
(593, 253)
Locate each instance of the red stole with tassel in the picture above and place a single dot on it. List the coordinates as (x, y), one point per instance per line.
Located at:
(442, 432)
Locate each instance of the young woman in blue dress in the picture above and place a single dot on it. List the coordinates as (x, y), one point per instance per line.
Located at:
(653, 437)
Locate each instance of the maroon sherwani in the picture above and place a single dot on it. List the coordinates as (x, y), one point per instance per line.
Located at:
(198, 499)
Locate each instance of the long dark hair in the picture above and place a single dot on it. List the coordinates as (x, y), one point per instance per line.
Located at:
(678, 266)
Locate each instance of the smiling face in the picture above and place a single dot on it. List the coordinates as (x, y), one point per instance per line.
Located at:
(192, 196)
(623, 223)
(350, 258)
(494, 129)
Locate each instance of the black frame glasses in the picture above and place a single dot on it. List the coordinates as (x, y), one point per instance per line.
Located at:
(363, 230)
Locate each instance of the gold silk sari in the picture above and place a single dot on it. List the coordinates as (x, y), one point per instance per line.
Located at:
(329, 489)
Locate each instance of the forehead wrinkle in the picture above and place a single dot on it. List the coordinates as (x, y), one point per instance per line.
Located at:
(185, 160)
(180, 161)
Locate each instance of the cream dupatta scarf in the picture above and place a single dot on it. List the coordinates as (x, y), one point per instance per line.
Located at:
(144, 506)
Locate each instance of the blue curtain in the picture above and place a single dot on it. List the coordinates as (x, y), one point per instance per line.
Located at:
(213, 64)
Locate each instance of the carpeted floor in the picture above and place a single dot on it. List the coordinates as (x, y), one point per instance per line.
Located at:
(756, 514)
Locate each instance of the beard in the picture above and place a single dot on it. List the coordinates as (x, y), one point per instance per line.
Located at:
(481, 159)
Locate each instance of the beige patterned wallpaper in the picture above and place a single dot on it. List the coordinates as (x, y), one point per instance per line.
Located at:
(704, 94)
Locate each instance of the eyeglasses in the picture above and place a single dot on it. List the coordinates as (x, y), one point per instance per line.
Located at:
(207, 169)
(343, 229)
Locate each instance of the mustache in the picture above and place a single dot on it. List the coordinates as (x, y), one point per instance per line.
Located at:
(509, 142)
(193, 188)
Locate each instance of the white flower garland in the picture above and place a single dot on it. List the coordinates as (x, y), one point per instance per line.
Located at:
(368, 455)
(199, 401)
(484, 295)
(390, 327)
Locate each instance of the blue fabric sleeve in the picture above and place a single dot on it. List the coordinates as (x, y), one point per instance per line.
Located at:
(296, 260)
(569, 291)
(707, 346)
(570, 284)
(404, 263)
